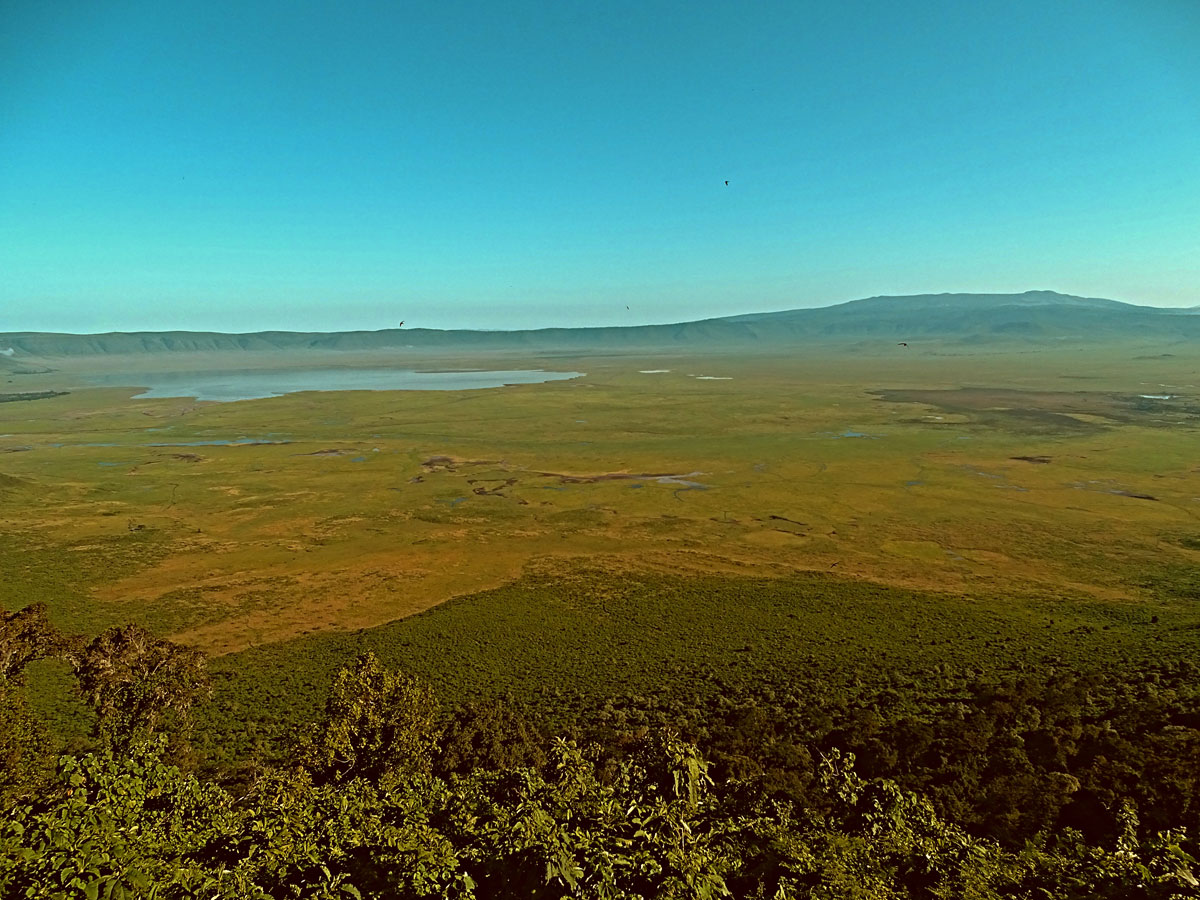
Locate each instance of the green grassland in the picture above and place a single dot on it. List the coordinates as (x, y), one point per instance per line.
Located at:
(839, 513)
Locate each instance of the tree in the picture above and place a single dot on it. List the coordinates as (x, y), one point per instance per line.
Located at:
(379, 724)
(136, 683)
(490, 735)
(23, 762)
(26, 635)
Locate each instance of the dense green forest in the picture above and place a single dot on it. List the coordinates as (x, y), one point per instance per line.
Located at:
(1071, 782)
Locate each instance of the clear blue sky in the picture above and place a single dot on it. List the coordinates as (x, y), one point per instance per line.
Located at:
(236, 166)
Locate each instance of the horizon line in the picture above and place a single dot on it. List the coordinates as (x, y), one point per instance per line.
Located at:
(598, 327)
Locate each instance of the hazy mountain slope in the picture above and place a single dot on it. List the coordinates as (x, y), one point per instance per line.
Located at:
(19, 364)
(1034, 315)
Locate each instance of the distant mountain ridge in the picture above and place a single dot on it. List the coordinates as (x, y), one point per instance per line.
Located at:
(1031, 316)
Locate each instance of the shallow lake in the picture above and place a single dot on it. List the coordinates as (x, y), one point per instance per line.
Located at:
(227, 386)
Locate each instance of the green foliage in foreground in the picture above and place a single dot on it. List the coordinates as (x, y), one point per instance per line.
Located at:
(136, 827)
(656, 825)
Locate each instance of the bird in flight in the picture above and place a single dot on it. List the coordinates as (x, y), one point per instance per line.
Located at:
(901, 344)
(401, 325)
(727, 183)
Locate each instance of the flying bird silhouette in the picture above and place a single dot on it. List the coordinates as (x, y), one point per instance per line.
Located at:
(727, 183)
(401, 325)
(901, 344)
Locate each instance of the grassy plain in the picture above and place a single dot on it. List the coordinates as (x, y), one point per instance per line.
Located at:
(1019, 485)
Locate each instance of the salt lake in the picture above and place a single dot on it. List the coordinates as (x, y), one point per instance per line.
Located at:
(228, 386)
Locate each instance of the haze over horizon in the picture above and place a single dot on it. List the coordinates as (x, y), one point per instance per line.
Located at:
(205, 166)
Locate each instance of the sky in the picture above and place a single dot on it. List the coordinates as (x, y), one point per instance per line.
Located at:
(244, 166)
